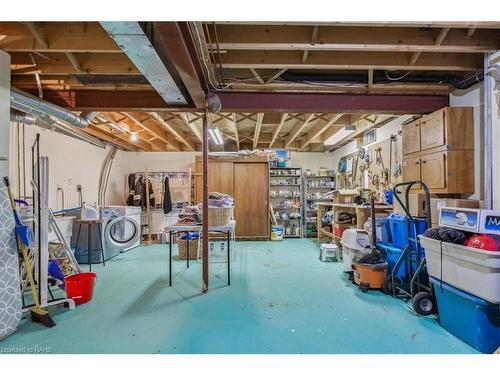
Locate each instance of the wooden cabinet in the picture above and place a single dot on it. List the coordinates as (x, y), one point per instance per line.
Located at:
(438, 149)
(411, 169)
(247, 180)
(433, 168)
(411, 137)
(251, 195)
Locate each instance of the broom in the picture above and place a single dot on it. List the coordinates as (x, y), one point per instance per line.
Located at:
(25, 238)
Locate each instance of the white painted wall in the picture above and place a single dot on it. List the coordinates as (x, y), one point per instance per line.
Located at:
(311, 160)
(383, 134)
(71, 162)
(5, 152)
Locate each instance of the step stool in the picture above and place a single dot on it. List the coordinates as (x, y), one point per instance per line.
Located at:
(329, 250)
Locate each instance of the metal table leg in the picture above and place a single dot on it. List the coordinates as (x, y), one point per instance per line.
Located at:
(228, 258)
(187, 251)
(170, 258)
(89, 245)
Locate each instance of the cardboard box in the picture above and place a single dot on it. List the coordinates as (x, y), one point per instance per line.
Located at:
(417, 205)
(437, 203)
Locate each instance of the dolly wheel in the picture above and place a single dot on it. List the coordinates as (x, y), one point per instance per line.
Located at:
(423, 304)
(387, 287)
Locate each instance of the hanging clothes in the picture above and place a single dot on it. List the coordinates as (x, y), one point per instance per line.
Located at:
(131, 189)
(167, 199)
(138, 192)
(151, 193)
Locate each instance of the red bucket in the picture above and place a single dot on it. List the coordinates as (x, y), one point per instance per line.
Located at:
(80, 287)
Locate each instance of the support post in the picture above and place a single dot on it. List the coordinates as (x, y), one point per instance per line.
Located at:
(488, 132)
(205, 204)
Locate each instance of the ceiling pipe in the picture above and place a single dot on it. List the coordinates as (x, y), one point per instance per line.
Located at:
(22, 118)
(31, 104)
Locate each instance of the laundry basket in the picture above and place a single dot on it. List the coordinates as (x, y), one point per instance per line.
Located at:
(219, 216)
(193, 248)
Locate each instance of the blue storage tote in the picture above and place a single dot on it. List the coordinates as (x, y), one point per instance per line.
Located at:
(399, 230)
(470, 318)
(392, 254)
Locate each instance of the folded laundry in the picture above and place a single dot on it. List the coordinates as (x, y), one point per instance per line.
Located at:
(190, 215)
(216, 199)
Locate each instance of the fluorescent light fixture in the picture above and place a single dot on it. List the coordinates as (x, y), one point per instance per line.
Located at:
(338, 136)
(216, 135)
(133, 136)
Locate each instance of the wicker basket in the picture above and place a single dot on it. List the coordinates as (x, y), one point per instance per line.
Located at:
(193, 248)
(219, 216)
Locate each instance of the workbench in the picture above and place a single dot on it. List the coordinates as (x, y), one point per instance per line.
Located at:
(172, 230)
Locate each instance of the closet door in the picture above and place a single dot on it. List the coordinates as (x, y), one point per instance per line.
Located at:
(251, 195)
(220, 179)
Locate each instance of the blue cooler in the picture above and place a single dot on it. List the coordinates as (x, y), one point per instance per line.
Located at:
(399, 231)
(392, 254)
(470, 318)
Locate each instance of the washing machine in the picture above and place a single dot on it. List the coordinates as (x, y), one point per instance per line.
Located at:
(121, 228)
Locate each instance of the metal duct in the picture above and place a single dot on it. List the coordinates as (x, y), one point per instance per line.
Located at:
(104, 176)
(28, 103)
(23, 118)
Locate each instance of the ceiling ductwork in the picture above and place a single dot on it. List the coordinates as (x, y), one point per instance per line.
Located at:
(22, 118)
(31, 104)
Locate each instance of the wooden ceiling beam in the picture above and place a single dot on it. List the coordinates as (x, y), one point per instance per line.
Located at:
(257, 76)
(156, 131)
(275, 76)
(277, 129)
(190, 123)
(112, 138)
(74, 61)
(235, 128)
(60, 64)
(319, 129)
(73, 37)
(294, 133)
(437, 42)
(258, 127)
(157, 117)
(348, 38)
(349, 61)
(141, 141)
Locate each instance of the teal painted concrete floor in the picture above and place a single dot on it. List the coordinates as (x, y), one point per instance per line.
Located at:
(282, 300)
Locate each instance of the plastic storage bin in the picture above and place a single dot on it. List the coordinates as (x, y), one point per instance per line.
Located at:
(392, 254)
(472, 270)
(355, 242)
(472, 319)
(382, 228)
(399, 230)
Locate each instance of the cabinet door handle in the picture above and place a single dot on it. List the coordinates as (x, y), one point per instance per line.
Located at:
(424, 161)
(417, 162)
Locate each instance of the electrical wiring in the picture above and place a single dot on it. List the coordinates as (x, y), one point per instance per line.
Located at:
(396, 78)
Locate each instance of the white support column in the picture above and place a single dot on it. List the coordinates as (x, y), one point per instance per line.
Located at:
(4, 113)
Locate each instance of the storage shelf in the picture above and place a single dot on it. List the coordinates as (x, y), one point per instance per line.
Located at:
(281, 185)
(285, 175)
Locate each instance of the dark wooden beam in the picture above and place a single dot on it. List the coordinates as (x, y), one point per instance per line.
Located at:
(327, 103)
(248, 102)
(172, 38)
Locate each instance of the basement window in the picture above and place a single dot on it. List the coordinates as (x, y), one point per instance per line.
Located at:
(369, 137)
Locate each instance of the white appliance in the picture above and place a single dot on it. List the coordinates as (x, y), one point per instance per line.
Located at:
(121, 228)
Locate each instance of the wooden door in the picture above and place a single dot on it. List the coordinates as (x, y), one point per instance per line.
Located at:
(434, 170)
(251, 195)
(220, 179)
(432, 130)
(411, 137)
(411, 169)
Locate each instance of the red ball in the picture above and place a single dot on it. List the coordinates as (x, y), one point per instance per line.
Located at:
(483, 242)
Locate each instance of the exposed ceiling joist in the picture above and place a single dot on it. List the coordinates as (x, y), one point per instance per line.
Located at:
(157, 117)
(257, 76)
(349, 61)
(235, 128)
(277, 129)
(190, 123)
(258, 127)
(37, 34)
(297, 129)
(156, 131)
(437, 42)
(319, 129)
